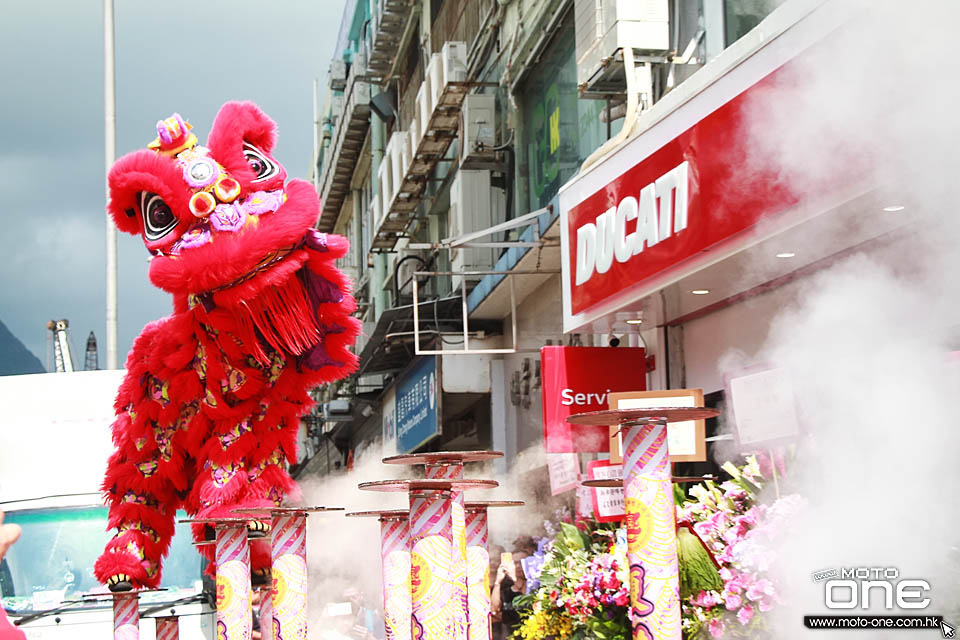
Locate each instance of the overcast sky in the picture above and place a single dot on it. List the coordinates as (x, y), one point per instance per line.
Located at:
(188, 57)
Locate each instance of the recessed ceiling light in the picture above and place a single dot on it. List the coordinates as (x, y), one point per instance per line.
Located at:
(786, 254)
(894, 208)
(635, 321)
(700, 292)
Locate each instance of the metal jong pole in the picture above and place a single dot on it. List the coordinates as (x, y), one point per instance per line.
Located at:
(168, 628)
(458, 597)
(478, 566)
(395, 570)
(287, 600)
(437, 576)
(650, 515)
(126, 616)
(233, 582)
(288, 551)
(431, 544)
(651, 531)
(395, 555)
(434, 610)
(478, 573)
(266, 614)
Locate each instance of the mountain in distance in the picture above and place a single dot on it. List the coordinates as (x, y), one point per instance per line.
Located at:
(15, 358)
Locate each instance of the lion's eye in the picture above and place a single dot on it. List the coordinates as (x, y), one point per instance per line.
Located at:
(263, 168)
(158, 218)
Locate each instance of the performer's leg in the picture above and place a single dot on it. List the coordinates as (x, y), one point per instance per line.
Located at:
(141, 492)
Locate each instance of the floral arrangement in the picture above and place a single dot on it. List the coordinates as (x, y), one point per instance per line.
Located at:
(583, 589)
(740, 532)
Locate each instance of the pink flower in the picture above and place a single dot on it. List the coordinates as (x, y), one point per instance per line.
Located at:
(706, 599)
(732, 601)
(759, 589)
(716, 628)
(745, 614)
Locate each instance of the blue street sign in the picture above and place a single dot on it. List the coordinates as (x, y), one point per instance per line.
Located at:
(418, 405)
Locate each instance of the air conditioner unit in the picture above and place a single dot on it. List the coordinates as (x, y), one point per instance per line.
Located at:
(399, 158)
(474, 205)
(336, 410)
(423, 109)
(435, 78)
(454, 61)
(604, 27)
(337, 75)
(385, 177)
(478, 136)
(415, 131)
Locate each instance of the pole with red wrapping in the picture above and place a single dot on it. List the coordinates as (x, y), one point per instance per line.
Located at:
(650, 514)
(168, 628)
(478, 566)
(433, 609)
(448, 465)
(395, 569)
(288, 568)
(126, 616)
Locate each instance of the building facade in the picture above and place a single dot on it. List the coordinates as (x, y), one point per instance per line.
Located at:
(515, 174)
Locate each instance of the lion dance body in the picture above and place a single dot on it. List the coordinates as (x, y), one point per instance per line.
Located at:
(208, 413)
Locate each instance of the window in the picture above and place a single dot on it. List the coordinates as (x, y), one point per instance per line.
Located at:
(740, 16)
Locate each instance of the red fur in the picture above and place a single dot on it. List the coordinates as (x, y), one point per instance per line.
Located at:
(113, 563)
(147, 171)
(235, 123)
(235, 254)
(195, 403)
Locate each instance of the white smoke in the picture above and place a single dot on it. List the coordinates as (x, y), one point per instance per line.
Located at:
(867, 341)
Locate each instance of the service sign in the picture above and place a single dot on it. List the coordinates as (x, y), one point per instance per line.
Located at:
(578, 380)
(417, 405)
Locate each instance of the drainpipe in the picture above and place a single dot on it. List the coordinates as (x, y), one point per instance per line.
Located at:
(379, 276)
(357, 233)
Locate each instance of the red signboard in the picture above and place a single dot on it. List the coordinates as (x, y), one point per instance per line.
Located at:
(577, 380)
(703, 181)
(695, 191)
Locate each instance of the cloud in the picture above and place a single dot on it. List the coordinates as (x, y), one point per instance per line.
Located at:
(181, 56)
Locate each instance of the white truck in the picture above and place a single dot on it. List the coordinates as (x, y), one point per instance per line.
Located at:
(55, 439)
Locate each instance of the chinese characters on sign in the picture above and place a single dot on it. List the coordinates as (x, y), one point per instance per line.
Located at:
(417, 405)
(608, 503)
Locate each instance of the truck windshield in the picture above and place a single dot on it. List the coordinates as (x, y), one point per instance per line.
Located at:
(52, 563)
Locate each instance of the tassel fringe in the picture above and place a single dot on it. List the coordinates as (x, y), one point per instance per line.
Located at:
(283, 316)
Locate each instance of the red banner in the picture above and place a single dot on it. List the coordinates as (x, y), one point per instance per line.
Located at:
(577, 380)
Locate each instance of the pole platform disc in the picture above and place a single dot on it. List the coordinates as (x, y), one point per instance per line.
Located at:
(483, 504)
(618, 482)
(97, 595)
(285, 511)
(427, 485)
(223, 521)
(443, 457)
(384, 513)
(655, 414)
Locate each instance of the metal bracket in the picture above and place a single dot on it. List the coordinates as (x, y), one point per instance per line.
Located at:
(465, 312)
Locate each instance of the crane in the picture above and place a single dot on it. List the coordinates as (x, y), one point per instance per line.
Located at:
(62, 355)
(92, 362)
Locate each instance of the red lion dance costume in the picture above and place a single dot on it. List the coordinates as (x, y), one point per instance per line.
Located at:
(208, 413)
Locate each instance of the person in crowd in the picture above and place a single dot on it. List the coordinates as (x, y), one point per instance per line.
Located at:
(367, 623)
(508, 585)
(525, 544)
(9, 533)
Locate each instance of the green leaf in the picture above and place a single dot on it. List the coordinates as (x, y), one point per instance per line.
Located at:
(572, 537)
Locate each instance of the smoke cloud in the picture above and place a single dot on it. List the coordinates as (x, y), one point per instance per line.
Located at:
(867, 341)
